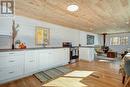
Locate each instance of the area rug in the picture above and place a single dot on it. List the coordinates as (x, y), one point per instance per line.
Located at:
(65, 82)
(78, 73)
(48, 75)
(72, 79)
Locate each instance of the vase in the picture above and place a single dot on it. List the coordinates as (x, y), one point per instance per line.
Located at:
(12, 46)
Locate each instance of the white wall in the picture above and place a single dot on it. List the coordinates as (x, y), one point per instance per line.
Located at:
(83, 38)
(58, 34)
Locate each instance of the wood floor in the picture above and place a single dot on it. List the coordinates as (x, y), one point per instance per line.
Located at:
(106, 75)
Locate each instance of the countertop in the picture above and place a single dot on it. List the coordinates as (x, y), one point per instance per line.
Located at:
(40, 48)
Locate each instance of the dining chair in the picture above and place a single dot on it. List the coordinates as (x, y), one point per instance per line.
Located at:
(127, 71)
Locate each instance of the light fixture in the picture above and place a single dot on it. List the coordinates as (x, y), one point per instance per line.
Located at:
(72, 8)
(91, 29)
(127, 22)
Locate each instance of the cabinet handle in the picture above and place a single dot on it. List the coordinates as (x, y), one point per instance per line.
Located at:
(11, 61)
(11, 53)
(31, 61)
(11, 72)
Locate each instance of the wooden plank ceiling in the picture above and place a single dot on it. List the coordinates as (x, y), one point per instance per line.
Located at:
(97, 16)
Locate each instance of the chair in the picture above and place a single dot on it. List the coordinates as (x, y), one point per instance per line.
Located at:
(98, 50)
(127, 71)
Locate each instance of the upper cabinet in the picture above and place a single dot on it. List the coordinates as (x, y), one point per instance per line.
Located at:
(6, 26)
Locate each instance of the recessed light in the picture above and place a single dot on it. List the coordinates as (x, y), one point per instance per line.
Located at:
(91, 29)
(127, 22)
(72, 8)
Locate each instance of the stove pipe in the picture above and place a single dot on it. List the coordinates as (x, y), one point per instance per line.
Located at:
(104, 39)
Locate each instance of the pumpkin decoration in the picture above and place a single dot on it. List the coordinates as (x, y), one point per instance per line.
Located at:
(22, 46)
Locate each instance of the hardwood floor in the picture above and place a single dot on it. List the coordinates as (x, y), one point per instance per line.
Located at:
(106, 75)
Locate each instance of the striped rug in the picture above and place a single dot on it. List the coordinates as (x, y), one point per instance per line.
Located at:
(48, 75)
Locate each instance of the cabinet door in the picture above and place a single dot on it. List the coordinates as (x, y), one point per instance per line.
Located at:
(83, 53)
(51, 58)
(5, 26)
(67, 55)
(86, 54)
(91, 54)
(44, 59)
(31, 62)
(62, 56)
(11, 72)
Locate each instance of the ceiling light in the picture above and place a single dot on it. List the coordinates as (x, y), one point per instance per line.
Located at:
(91, 29)
(72, 8)
(127, 22)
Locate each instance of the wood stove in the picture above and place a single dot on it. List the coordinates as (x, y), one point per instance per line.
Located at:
(104, 47)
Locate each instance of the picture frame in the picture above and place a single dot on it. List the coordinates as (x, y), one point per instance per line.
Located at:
(42, 36)
(90, 40)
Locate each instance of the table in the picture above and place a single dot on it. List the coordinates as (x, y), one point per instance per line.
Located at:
(111, 54)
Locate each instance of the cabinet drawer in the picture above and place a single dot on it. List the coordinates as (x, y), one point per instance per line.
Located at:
(31, 65)
(7, 61)
(10, 72)
(5, 54)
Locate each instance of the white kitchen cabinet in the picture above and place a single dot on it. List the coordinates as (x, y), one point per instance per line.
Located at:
(62, 55)
(44, 59)
(11, 58)
(6, 26)
(11, 72)
(17, 64)
(86, 54)
(11, 64)
(53, 57)
(31, 62)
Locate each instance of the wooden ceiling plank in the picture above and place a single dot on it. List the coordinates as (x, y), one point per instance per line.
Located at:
(97, 14)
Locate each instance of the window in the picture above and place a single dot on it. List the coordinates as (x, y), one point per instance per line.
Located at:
(119, 41)
(124, 40)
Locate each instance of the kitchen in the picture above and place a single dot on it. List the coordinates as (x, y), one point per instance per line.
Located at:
(63, 43)
(58, 35)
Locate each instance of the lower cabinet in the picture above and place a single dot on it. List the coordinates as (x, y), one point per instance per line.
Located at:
(53, 57)
(11, 72)
(23, 63)
(31, 62)
(11, 65)
(44, 57)
(86, 54)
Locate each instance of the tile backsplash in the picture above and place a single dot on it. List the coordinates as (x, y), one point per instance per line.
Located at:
(5, 42)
